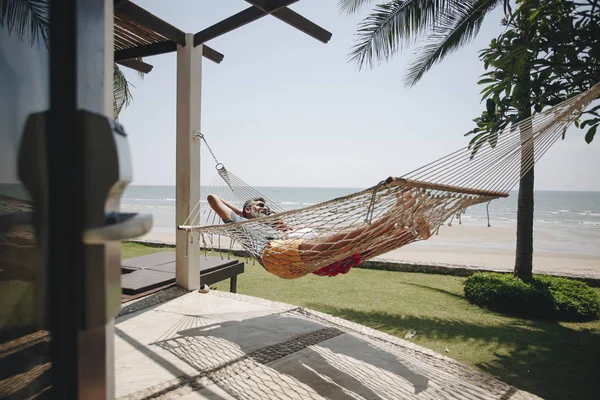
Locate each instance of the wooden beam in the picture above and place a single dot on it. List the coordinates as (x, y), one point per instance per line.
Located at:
(162, 48)
(145, 51)
(240, 19)
(212, 54)
(441, 187)
(138, 65)
(137, 14)
(296, 20)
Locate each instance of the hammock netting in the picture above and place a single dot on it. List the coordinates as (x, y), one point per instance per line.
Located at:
(334, 235)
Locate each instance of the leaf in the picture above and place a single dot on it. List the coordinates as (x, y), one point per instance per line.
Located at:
(493, 137)
(490, 107)
(410, 334)
(476, 148)
(478, 138)
(27, 18)
(487, 91)
(589, 136)
(121, 93)
(392, 25)
(589, 122)
(534, 15)
(452, 29)
(594, 108)
(351, 6)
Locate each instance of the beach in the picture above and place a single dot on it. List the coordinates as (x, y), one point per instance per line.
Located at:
(474, 247)
(566, 229)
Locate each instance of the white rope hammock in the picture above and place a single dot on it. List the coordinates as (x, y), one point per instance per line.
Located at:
(393, 213)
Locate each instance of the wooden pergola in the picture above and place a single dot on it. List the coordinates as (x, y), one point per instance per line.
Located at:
(140, 34)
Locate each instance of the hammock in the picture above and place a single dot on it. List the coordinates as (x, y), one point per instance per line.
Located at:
(331, 237)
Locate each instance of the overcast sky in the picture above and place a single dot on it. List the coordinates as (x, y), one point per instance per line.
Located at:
(284, 109)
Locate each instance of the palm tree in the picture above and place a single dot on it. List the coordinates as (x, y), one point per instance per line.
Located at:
(444, 26)
(30, 19)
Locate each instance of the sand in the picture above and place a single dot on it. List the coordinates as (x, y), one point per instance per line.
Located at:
(476, 246)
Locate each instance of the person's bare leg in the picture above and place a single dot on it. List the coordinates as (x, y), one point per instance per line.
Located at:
(336, 244)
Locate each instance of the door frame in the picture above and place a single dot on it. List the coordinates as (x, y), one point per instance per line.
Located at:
(80, 54)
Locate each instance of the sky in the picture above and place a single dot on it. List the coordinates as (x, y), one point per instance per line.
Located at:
(283, 109)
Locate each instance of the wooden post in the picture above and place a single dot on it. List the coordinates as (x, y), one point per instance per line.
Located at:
(109, 60)
(187, 191)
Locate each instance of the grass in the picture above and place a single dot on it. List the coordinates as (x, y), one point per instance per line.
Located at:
(552, 360)
(132, 249)
(16, 298)
(16, 309)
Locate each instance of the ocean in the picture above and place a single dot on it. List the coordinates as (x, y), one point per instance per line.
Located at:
(564, 222)
(569, 222)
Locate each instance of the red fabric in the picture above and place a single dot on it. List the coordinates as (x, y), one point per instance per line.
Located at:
(340, 267)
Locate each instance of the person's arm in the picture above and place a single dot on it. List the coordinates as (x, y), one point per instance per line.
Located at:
(222, 207)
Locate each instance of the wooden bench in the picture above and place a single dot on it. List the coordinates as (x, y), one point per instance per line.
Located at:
(152, 271)
(214, 269)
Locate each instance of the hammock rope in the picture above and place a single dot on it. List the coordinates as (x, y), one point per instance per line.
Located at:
(395, 212)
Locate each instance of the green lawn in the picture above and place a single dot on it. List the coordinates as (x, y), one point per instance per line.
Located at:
(552, 360)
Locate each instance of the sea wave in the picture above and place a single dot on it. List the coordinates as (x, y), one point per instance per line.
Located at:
(147, 199)
(546, 221)
(589, 214)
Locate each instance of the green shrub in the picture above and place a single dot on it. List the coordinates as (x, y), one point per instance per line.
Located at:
(542, 297)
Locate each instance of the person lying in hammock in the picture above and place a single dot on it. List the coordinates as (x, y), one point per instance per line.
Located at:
(289, 256)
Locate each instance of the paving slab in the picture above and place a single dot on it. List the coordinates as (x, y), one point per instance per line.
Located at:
(194, 332)
(351, 367)
(230, 346)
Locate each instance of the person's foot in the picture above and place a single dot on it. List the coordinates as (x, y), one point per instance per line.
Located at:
(423, 229)
(415, 214)
(404, 205)
(408, 200)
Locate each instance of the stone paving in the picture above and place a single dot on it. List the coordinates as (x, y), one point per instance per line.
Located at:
(232, 346)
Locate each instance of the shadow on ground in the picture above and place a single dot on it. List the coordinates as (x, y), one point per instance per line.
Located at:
(280, 356)
(313, 363)
(547, 359)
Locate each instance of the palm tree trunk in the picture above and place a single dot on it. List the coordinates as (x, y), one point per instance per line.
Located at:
(524, 252)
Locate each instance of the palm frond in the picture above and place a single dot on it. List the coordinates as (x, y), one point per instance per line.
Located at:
(392, 25)
(452, 30)
(349, 7)
(121, 93)
(27, 18)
